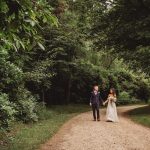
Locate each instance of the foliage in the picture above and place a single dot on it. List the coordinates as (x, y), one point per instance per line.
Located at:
(54, 51)
(124, 29)
(143, 91)
(21, 27)
(23, 18)
(31, 136)
(26, 106)
(7, 111)
(124, 95)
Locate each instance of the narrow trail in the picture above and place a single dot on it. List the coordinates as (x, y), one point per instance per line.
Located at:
(81, 133)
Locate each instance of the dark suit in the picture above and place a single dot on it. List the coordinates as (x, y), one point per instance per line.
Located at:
(96, 100)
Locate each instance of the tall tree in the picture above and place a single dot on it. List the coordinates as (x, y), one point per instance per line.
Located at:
(123, 28)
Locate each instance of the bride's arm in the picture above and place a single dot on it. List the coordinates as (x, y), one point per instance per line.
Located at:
(115, 98)
(106, 101)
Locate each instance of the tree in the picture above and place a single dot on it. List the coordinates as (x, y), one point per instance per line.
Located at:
(123, 28)
(21, 26)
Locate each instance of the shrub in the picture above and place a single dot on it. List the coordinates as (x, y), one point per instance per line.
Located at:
(124, 98)
(143, 91)
(43, 112)
(124, 95)
(26, 106)
(7, 111)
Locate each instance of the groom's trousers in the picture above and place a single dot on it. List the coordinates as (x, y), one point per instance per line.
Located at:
(95, 109)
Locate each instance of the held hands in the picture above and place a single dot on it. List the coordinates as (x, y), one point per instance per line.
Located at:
(104, 103)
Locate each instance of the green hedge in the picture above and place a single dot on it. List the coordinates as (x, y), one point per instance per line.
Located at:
(128, 101)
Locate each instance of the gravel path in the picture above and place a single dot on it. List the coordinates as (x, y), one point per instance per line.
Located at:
(81, 133)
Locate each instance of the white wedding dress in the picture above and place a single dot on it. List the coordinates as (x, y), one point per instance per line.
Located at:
(111, 113)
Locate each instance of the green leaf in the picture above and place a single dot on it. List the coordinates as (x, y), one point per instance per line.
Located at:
(41, 46)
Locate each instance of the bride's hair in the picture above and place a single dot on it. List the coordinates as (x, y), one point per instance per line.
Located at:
(113, 91)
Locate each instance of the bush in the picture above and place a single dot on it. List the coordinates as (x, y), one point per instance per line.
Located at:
(143, 91)
(43, 112)
(124, 98)
(26, 106)
(7, 111)
(124, 95)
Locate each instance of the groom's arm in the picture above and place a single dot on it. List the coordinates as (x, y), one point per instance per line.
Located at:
(91, 100)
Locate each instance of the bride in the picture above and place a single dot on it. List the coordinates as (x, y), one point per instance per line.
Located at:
(111, 113)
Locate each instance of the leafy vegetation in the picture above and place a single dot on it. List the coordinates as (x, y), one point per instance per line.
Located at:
(124, 29)
(21, 26)
(30, 136)
(54, 51)
(7, 110)
(83, 63)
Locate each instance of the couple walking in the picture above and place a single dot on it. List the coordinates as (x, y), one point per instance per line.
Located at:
(95, 100)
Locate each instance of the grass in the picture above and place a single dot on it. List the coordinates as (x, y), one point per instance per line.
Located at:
(31, 136)
(141, 115)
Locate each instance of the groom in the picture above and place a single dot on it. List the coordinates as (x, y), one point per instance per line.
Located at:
(95, 101)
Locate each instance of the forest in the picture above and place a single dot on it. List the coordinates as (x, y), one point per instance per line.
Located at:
(52, 52)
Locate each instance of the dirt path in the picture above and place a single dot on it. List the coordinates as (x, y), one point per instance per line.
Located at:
(81, 133)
